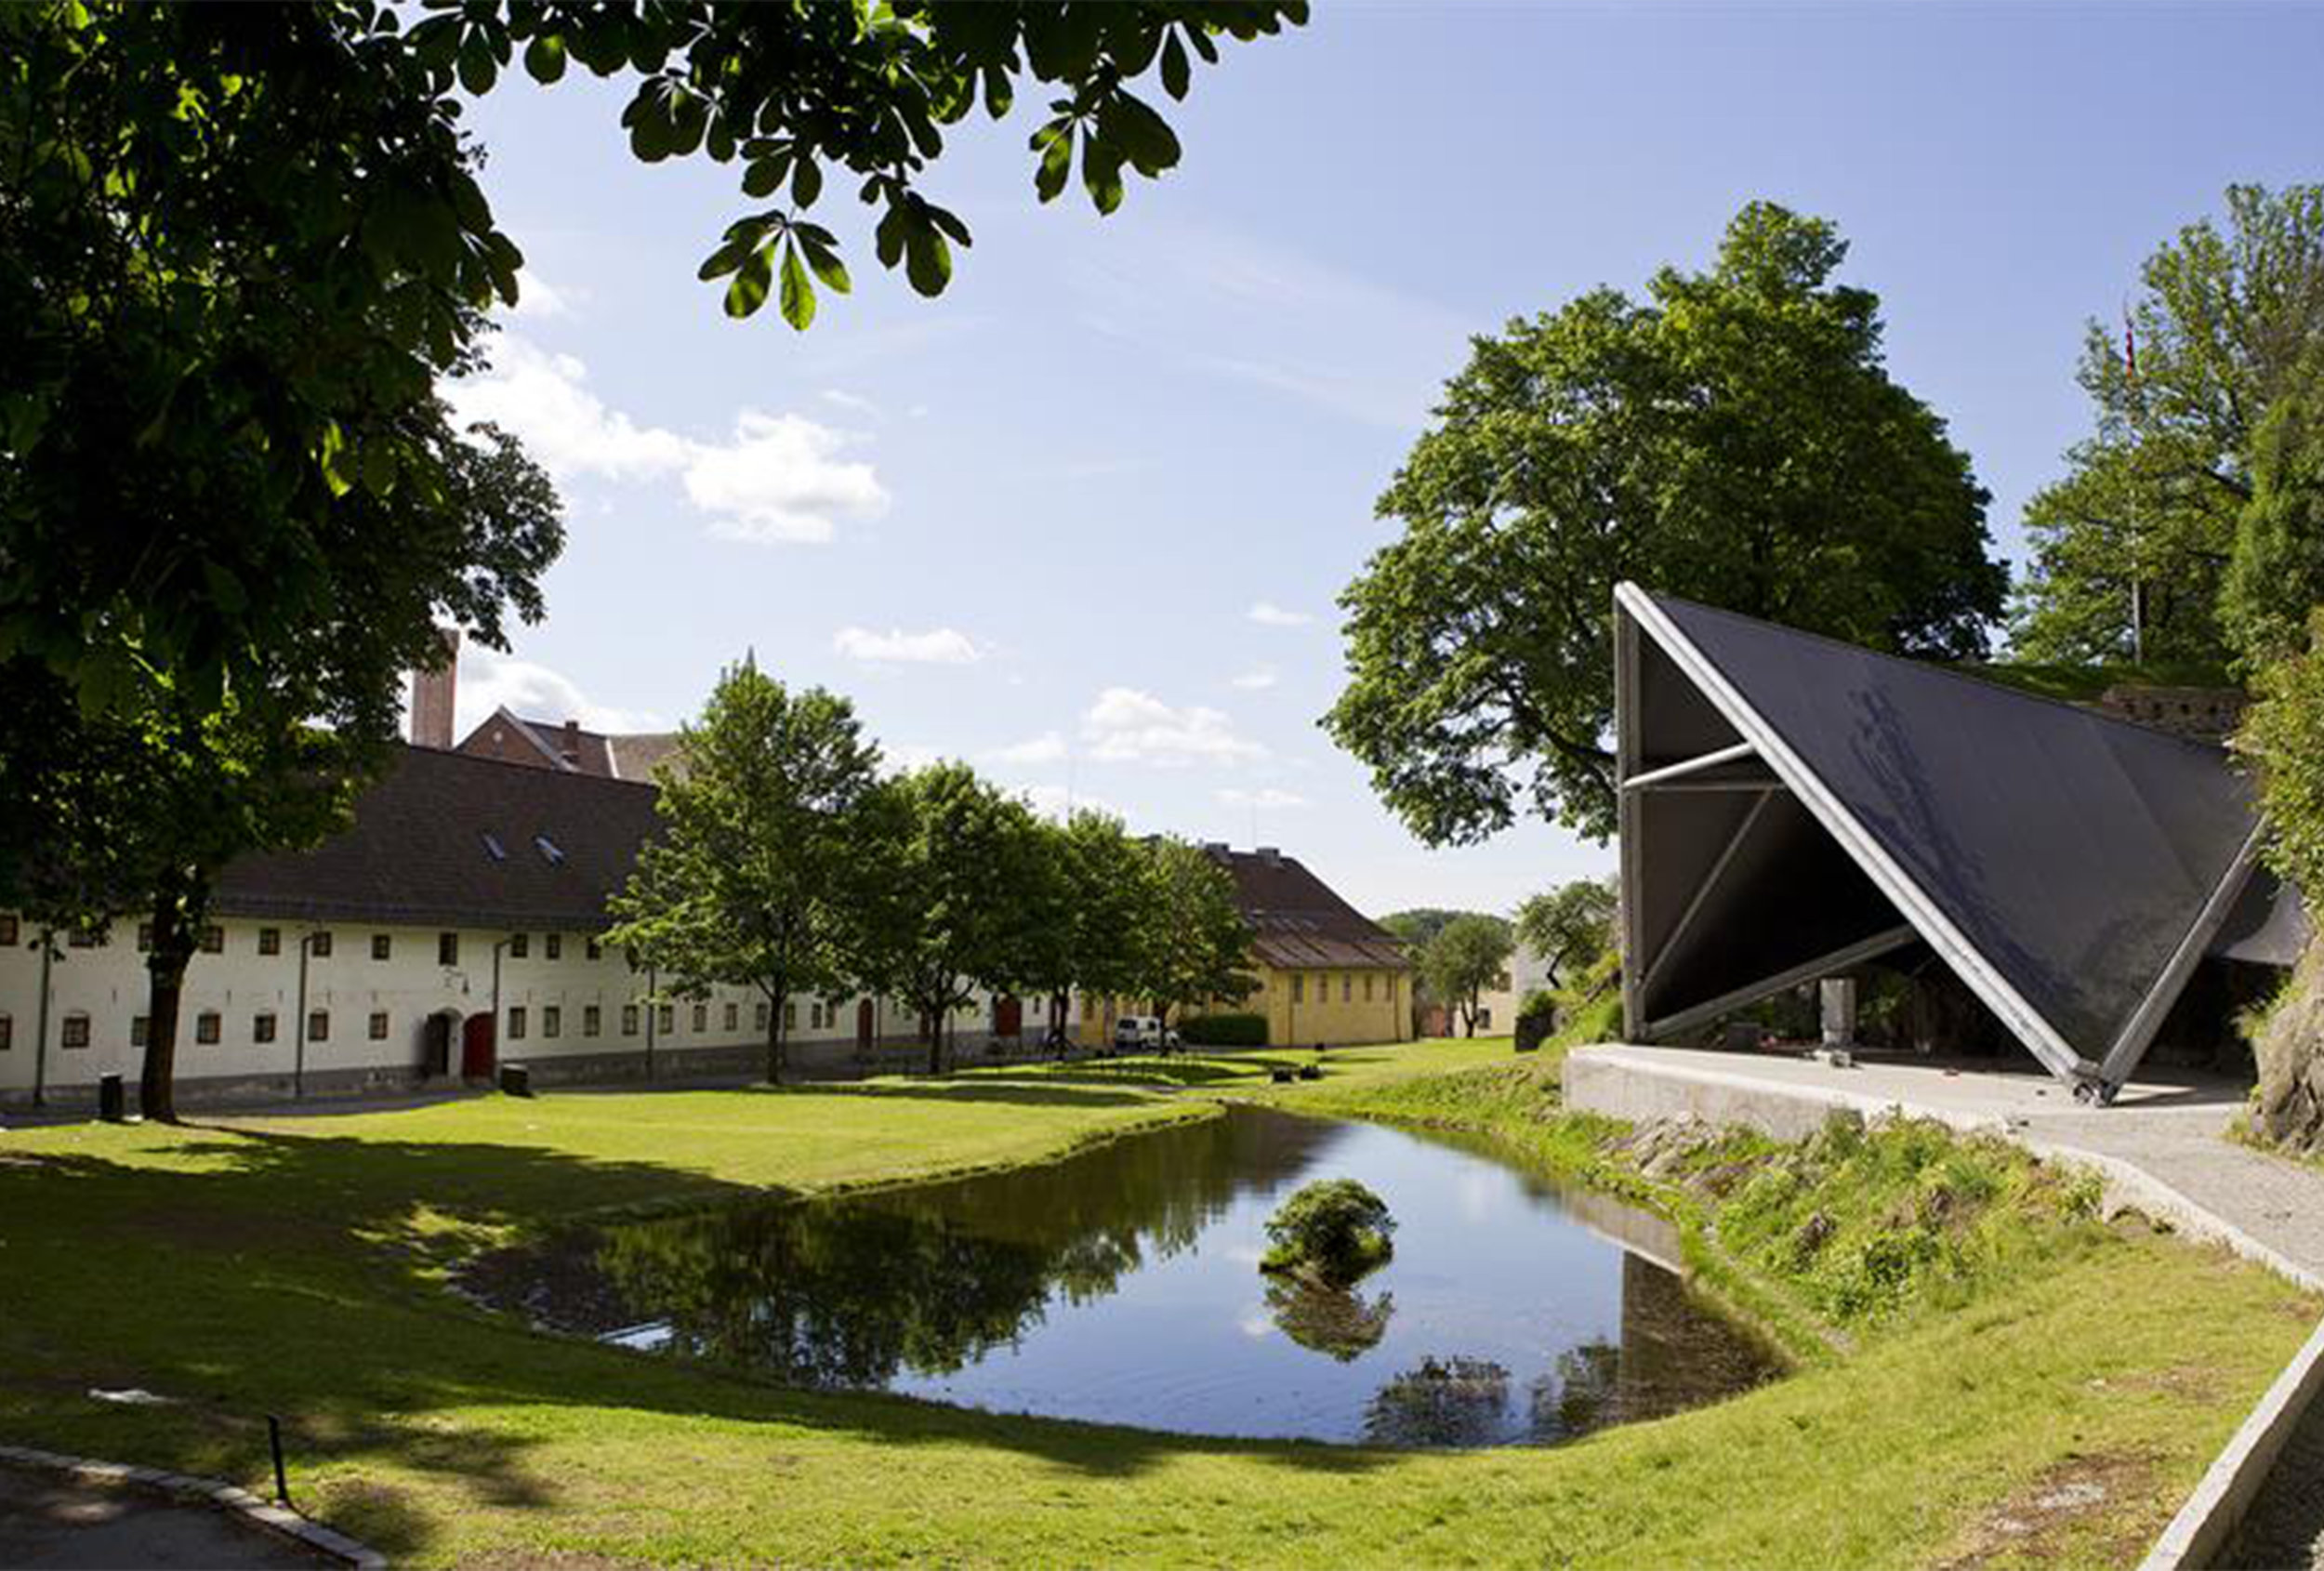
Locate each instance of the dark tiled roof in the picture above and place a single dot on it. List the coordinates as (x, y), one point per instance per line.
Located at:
(628, 755)
(417, 851)
(1296, 919)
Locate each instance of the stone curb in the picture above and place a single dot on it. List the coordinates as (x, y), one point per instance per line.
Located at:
(211, 1492)
(2217, 1507)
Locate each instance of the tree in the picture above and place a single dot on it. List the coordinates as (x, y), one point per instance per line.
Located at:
(2275, 575)
(239, 246)
(1194, 945)
(1568, 926)
(1087, 936)
(943, 860)
(1470, 956)
(1735, 440)
(753, 878)
(2227, 327)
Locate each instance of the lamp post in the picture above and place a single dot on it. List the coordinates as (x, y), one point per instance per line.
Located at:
(298, 1024)
(39, 1029)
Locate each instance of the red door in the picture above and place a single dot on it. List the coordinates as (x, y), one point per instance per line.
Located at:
(1008, 1017)
(476, 1048)
(863, 1025)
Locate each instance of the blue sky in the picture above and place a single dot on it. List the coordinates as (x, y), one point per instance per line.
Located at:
(1082, 520)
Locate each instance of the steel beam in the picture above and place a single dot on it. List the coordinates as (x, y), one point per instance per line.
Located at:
(2138, 1032)
(1847, 955)
(1703, 887)
(1689, 766)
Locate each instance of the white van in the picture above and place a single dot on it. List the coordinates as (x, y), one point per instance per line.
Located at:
(1142, 1031)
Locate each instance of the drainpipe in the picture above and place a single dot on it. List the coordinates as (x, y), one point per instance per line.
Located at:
(653, 1013)
(298, 1034)
(40, 1036)
(497, 1038)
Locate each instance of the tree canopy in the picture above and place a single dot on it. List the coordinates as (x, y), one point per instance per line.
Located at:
(1470, 954)
(1733, 439)
(1568, 926)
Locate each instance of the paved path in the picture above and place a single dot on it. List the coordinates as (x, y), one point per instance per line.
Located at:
(50, 1521)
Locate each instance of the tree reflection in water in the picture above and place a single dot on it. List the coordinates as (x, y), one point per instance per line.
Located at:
(1339, 1321)
(1450, 1402)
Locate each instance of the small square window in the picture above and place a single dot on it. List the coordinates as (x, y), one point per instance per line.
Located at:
(141, 1029)
(8, 933)
(790, 1015)
(382, 945)
(318, 1026)
(319, 944)
(379, 1025)
(665, 1018)
(75, 1031)
(1299, 988)
(207, 1026)
(270, 941)
(758, 1016)
(592, 1019)
(520, 945)
(734, 1016)
(213, 940)
(552, 1021)
(701, 1017)
(553, 945)
(145, 938)
(1347, 987)
(448, 949)
(8, 1033)
(82, 938)
(629, 1020)
(262, 1027)
(594, 950)
(1368, 987)
(516, 1022)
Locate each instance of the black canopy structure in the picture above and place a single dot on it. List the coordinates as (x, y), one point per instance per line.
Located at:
(1792, 807)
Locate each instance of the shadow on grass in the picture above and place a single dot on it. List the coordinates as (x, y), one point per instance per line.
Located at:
(300, 1274)
(1040, 1090)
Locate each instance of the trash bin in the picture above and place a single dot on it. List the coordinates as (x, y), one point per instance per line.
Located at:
(516, 1080)
(113, 1102)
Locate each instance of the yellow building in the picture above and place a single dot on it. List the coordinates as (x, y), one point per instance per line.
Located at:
(1327, 974)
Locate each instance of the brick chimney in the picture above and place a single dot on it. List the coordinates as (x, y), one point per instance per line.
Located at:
(573, 744)
(432, 696)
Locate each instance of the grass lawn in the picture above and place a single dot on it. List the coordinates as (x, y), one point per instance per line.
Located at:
(294, 1267)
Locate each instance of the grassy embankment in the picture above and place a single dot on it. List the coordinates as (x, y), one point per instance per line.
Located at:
(295, 1267)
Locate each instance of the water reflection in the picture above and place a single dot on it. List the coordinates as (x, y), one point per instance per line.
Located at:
(1122, 1286)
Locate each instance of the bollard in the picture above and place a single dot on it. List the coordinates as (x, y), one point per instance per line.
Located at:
(113, 1102)
(274, 1441)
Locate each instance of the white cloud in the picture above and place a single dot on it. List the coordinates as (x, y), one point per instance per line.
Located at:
(490, 680)
(1047, 748)
(1060, 802)
(1267, 613)
(537, 297)
(938, 646)
(1256, 678)
(1265, 796)
(1127, 726)
(777, 479)
(854, 404)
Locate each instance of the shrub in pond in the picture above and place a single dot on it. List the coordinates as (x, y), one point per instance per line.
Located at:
(1332, 1230)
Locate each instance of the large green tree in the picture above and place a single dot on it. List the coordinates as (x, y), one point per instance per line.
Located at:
(1568, 926)
(758, 873)
(2228, 328)
(1735, 438)
(1089, 937)
(1194, 945)
(1468, 956)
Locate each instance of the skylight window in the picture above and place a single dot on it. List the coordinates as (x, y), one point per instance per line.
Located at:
(547, 848)
(494, 849)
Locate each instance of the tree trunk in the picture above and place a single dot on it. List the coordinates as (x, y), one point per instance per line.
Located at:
(180, 903)
(775, 1030)
(932, 1028)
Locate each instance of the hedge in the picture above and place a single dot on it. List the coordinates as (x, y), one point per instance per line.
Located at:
(1223, 1031)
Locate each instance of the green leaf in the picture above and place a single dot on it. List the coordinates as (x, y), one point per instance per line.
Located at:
(1101, 174)
(1177, 76)
(927, 260)
(763, 177)
(1144, 135)
(545, 57)
(723, 260)
(748, 292)
(1055, 144)
(477, 66)
(816, 244)
(806, 182)
(798, 303)
(379, 467)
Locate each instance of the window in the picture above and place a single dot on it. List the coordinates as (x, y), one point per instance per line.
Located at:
(75, 1031)
(8, 1029)
(701, 1017)
(1347, 986)
(448, 949)
(82, 938)
(629, 1020)
(547, 848)
(1368, 987)
(734, 1016)
(790, 1016)
(665, 1018)
(1485, 1020)
(822, 1013)
(592, 1019)
(494, 849)
(145, 938)
(759, 1015)
(8, 933)
(319, 944)
(141, 1029)
(213, 939)
(516, 1022)
(1299, 988)
(318, 1026)
(379, 1025)
(382, 945)
(552, 1021)
(519, 944)
(262, 1027)
(206, 1027)
(270, 941)
(594, 950)
(553, 945)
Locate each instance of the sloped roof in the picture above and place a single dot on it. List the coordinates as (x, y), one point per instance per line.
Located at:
(1296, 921)
(614, 755)
(420, 850)
(2069, 866)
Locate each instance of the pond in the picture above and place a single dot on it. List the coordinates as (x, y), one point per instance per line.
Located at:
(1122, 1286)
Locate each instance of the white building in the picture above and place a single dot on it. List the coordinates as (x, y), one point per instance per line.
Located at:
(450, 928)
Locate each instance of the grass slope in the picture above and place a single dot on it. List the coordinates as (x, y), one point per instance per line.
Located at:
(294, 1267)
